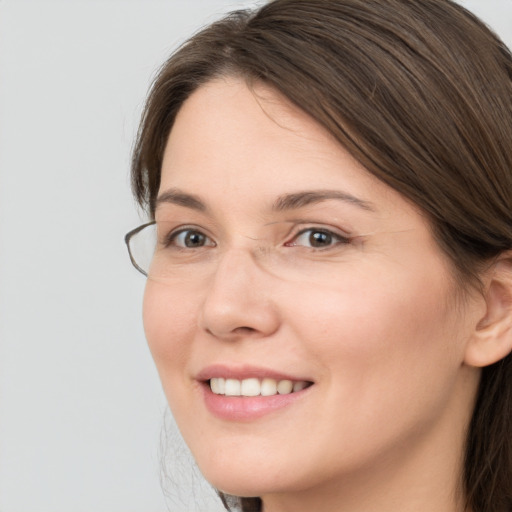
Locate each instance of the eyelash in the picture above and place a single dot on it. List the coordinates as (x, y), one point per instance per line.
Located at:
(170, 239)
(337, 239)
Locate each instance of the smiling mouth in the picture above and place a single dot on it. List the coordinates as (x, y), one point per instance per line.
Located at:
(256, 387)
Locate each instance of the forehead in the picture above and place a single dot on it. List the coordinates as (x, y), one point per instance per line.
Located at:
(226, 130)
(238, 146)
(226, 112)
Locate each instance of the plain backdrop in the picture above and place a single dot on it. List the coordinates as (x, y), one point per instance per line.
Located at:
(81, 409)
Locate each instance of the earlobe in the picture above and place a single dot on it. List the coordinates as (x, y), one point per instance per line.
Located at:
(492, 336)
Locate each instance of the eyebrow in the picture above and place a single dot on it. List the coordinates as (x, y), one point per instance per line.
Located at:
(300, 199)
(175, 196)
(292, 201)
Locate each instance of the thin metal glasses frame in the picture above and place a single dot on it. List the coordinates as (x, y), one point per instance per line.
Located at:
(127, 239)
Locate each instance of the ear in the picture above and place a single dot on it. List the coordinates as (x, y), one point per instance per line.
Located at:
(492, 337)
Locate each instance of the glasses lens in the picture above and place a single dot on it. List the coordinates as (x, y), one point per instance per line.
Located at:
(142, 245)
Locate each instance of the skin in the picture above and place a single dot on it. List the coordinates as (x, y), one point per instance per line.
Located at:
(377, 322)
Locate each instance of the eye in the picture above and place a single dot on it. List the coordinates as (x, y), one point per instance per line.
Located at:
(318, 239)
(190, 239)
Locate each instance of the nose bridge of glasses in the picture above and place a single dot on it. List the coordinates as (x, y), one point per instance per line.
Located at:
(261, 252)
(247, 253)
(251, 258)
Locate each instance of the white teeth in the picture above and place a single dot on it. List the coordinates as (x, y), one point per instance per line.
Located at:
(284, 387)
(214, 386)
(268, 387)
(250, 387)
(218, 386)
(255, 387)
(232, 387)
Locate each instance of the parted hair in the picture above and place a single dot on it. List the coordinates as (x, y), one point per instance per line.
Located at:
(420, 93)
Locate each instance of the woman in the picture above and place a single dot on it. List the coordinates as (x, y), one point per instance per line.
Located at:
(329, 302)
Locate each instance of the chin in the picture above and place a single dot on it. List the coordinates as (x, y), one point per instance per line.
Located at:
(245, 487)
(240, 477)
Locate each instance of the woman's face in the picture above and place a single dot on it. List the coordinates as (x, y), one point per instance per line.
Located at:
(282, 259)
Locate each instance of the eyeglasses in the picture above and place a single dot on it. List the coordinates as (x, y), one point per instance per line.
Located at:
(148, 247)
(141, 244)
(312, 254)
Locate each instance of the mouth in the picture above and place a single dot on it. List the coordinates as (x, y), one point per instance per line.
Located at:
(246, 393)
(252, 387)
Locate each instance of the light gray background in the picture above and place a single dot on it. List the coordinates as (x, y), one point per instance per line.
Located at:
(81, 411)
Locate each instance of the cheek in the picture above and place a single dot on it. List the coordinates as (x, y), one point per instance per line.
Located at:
(372, 307)
(372, 333)
(169, 323)
(388, 353)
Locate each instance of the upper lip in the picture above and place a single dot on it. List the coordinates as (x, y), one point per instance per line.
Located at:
(241, 372)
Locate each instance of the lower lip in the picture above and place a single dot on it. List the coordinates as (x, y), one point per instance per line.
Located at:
(247, 408)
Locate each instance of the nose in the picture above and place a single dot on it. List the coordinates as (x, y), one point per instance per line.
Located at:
(238, 300)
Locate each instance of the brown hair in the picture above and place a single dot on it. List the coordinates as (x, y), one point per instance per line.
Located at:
(420, 92)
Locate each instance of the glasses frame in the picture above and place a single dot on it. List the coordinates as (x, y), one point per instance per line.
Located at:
(127, 239)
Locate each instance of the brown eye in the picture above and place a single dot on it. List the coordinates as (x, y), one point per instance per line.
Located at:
(318, 239)
(191, 239)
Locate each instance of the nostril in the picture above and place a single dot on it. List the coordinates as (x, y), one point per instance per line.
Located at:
(244, 330)
(237, 330)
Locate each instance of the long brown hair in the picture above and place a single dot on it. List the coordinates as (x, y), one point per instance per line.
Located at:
(420, 92)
